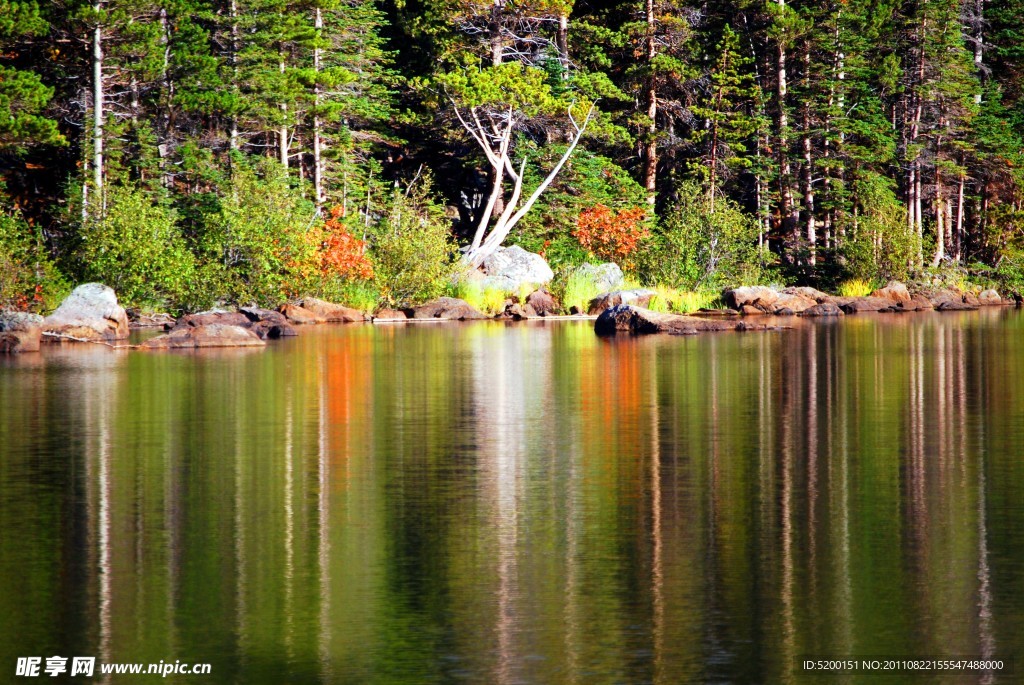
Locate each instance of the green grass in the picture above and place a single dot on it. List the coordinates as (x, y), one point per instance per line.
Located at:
(577, 290)
(490, 301)
(361, 296)
(857, 287)
(671, 300)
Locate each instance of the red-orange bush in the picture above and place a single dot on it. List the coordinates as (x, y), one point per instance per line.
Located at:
(611, 235)
(341, 253)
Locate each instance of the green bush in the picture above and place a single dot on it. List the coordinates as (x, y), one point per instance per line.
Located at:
(694, 248)
(411, 249)
(136, 249)
(258, 241)
(28, 278)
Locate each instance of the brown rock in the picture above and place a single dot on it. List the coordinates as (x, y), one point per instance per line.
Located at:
(299, 316)
(214, 316)
(853, 305)
(971, 299)
(19, 332)
(89, 313)
(811, 293)
(954, 306)
(792, 303)
(715, 313)
(332, 313)
(390, 315)
(893, 291)
(140, 319)
(631, 319)
(750, 295)
(210, 335)
(640, 297)
(822, 309)
(448, 308)
(940, 296)
(754, 309)
(917, 303)
(541, 303)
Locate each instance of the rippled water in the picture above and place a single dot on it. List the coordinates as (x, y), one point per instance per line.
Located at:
(526, 503)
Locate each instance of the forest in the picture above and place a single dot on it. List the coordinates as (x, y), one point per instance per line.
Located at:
(193, 153)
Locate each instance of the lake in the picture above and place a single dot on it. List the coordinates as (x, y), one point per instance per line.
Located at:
(521, 503)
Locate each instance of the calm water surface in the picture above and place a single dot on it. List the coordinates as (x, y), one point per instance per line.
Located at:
(491, 503)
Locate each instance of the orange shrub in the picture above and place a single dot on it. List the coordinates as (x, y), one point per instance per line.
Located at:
(341, 253)
(611, 235)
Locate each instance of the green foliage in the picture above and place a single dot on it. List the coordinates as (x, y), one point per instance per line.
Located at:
(695, 248)
(412, 250)
(256, 242)
(28, 277)
(136, 249)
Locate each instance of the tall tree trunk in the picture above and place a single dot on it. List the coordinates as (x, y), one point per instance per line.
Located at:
(959, 231)
(790, 219)
(318, 179)
(940, 221)
(562, 43)
(494, 30)
(807, 178)
(98, 108)
(651, 144)
(233, 135)
(282, 132)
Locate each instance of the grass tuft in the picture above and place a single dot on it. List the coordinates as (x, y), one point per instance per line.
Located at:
(857, 287)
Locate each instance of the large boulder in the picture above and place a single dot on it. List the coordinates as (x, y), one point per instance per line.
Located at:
(640, 297)
(989, 298)
(894, 291)
(90, 313)
(792, 303)
(822, 309)
(332, 313)
(448, 308)
(758, 296)
(300, 316)
(940, 297)
(630, 319)
(605, 277)
(209, 335)
(510, 268)
(19, 332)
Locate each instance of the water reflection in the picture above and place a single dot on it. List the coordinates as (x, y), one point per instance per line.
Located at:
(492, 503)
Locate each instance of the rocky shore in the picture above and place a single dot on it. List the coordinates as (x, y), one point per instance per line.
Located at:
(91, 314)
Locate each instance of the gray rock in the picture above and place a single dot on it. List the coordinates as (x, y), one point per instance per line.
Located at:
(989, 298)
(811, 293)
(511, 268)
(791, 302)
(640, 297)
(91, 312)
(19, 332)
(605, 277)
